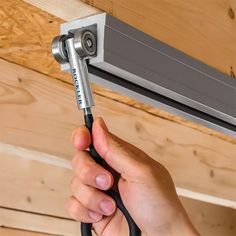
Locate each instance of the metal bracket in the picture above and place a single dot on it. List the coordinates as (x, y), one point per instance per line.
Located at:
(137, 65)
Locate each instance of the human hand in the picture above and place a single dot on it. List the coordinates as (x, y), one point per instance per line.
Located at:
(145, 186)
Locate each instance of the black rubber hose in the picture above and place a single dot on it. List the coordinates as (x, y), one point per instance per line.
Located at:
(86, 228)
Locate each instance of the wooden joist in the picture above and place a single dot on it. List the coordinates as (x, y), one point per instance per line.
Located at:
(26, 39)
(33, 186)
(38, 223)
(204, 29)
(68, 11)
(44, 114)
(209, 219)
(34, 191)
(17, 232)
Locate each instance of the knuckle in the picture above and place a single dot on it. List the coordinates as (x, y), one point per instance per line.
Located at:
(80, 161)
(73, 210)
(82, 193)
(73, 184)
(84, 173)
(74, 161)
(85, 203)
(74, 214)
(89, 200)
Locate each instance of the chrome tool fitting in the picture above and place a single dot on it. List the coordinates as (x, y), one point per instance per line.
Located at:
(74, 49)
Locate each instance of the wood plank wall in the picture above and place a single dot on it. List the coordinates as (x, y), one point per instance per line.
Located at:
(30, 38)
(44, 114)
(38, 112)
(204, 29)
(16, 232)
(39, 143)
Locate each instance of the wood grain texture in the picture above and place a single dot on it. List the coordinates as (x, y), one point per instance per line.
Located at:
(33, 222)
(17, 232)
(39, 113)
(33, 186)
(67, 10)
(204, 29)
(211, 220)
(26, 33)
(36, 211)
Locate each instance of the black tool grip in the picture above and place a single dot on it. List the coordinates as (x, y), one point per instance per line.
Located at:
(88, 118)
(87, 227)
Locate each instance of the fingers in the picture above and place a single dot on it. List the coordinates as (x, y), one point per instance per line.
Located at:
(88, 203)
(123, 157)
(81, 138)
(118, 154)
(92, 198)
(80, 213)
(90, 173)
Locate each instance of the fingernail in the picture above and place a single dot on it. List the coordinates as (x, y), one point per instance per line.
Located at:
(94, 216)
(107, 206)
(102, 181)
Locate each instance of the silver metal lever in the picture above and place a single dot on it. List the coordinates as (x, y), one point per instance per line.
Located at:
(74, 49)
(79, 72)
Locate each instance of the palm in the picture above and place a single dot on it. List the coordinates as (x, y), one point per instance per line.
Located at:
(113, 225)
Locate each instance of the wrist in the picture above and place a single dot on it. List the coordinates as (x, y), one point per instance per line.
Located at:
(183, 226)
(179, 225)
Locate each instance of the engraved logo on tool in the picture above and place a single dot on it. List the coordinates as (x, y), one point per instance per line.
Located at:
(76, 84)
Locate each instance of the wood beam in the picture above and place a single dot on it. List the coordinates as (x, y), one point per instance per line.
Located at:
(17, 232)
(204, 30)
(33, 209)
(44, 114)
(68, 11)
(33, 186)
(26, 35)
(221, 221)
(34, 222)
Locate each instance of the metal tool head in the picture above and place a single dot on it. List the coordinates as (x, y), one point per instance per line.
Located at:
(84, 43)
(59, 49)
(74, 49)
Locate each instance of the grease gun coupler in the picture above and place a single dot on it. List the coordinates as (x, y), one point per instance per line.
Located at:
(75, 48)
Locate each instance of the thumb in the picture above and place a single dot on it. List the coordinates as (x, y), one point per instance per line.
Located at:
(118, 154)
